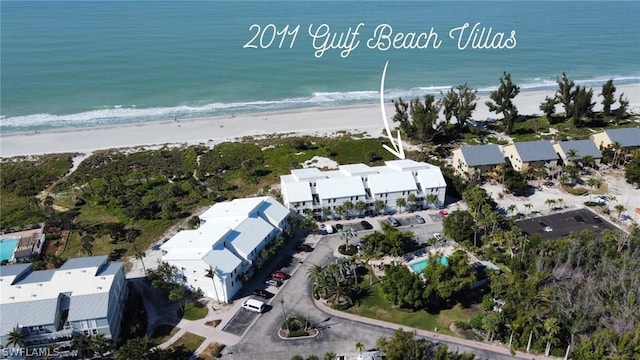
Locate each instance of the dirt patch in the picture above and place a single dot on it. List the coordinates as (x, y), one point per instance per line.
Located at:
(213, 323)
(212, 351)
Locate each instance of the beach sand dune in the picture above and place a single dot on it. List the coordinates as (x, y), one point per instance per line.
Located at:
(216, 129)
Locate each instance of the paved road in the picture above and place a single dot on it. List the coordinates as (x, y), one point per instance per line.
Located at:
(338, 331)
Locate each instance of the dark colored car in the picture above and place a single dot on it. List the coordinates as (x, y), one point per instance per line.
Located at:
(597, 219)
(579, 218)
(393, 221)
(262, 293)
(419, 219)
(279, 275)
(305, 248)
(338, 226)
(366, 225)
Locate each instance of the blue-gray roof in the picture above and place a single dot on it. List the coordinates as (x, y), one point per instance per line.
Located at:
(629, 137)
(13, 270)
(540, 150)
(33, 277)
(27, 313)
(479, 155)
(582, 148)
(84, 262)
(110, 269)
(91, 306)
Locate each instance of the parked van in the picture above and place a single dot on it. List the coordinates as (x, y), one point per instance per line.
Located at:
(253, 305)
(329, 229)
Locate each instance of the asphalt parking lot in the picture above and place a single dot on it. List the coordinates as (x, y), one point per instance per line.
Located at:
(564, 224)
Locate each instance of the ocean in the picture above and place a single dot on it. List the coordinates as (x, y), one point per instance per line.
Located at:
(67, 64)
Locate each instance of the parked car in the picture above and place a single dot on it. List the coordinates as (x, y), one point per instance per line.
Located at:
(438, 236)
(366, 225)
(304, 247)
(548, 229)
(443, 214)
(419, 219)
(262, 293)
(338, 226)
(280, 275)
(273, 282)
(579, 218)
(393, 221)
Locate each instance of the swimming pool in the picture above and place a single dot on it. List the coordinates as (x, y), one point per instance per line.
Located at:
(7, 247)
(417, 267)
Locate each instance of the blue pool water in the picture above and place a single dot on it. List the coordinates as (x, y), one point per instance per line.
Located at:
(417, 267)
(7, 247)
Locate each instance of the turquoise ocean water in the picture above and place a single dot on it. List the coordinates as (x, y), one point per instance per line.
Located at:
(82, 64)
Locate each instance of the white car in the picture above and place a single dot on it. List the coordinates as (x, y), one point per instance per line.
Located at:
(548, 229)
(438, 236)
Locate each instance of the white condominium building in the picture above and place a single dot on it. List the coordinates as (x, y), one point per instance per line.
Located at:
(231, 236)
(322, 191)
(84, 296)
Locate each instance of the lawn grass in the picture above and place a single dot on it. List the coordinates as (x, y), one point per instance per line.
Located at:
(195, 311)
(163, 333)
(376, 307)
(190, 341)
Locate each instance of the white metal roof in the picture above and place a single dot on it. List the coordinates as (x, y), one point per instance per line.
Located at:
(296, 191)
(222, 259)
(406, 165)
(340, 187)
(307, 174)
(431, 178)
(248, 235)
(392, 182)
(356, 169)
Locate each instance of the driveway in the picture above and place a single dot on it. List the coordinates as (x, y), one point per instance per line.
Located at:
(339, 331)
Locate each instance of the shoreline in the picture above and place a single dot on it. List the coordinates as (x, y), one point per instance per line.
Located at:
(211, 130)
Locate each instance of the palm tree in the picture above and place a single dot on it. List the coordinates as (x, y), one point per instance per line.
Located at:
(400, 203)
(16, 337)
(361, 206)
(284, 314)
(82, 344)
(347, 233)
(552, 328)
(528, 206)
(99, 344)
(512, 208)
(431, 199)
(211, 273)
(411, 200)
(560, 201)
(87, 244)
(348, 206)
(378, 206)
(326, 212)
(619, 208)
(540, 172)
(550, 202)
(329, 356)
(534, 329)
(308, 213)
(359, 347)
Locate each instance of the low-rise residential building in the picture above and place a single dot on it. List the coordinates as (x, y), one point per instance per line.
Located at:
(323, 191)
(527, 154)
(574, 150)
(215, 256)
(85, 296)
(627, 138)
(470, 160)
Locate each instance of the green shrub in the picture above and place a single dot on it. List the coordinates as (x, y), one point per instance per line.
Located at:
(350, 250)
(579, 191)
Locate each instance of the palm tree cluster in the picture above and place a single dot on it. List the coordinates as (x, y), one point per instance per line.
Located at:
(334, 284)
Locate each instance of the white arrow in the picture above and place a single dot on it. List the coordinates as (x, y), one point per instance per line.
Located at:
(397, 149)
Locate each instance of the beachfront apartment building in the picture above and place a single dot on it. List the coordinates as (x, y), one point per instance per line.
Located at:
(215, 256)
(471, 160)
(528, 154)
(323, 191)
(627, 138)
(85, 296)
(574, 150)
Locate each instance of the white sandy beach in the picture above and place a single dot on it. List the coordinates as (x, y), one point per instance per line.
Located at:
(212, 130)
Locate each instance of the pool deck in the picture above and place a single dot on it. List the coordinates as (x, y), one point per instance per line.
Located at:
(31, 242)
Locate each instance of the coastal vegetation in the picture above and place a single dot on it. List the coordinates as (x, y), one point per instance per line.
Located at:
(579, 291)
